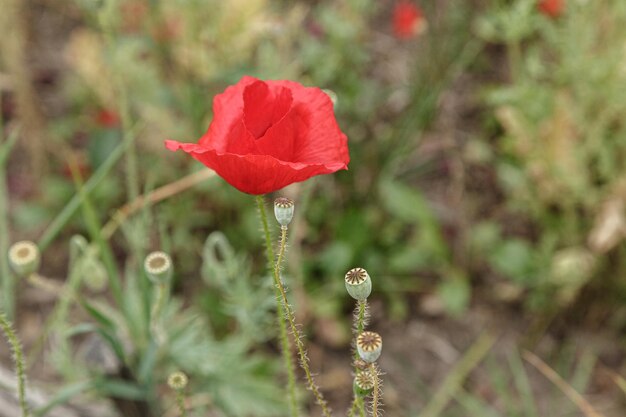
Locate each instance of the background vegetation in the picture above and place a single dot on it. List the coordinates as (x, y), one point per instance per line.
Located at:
(486, 190)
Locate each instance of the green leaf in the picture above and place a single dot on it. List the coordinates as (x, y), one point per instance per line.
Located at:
(62, 396)
(455, 292)
(119, 388)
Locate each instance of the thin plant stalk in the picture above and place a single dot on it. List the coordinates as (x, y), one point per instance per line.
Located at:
(361, 407)
(304, 360)
(8, 280)
(18, 358)
(360, 321)
(180, 402)
(280, 313)
(357, 405)
(155, 313)
(375, 404)
(360, 316)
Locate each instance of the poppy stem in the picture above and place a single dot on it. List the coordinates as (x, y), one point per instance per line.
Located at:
(360, 320)
(280, 312)
(304, 359)
(18, 359)
(180, 402)
(376, 392)
(354, 406)
(361, 314)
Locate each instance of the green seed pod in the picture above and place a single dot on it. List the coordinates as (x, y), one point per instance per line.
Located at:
(283, 210)
(369, 345)
(177, 381)
(24, 258)
(158, 267)
(94, 273)
(363, 384)
(358, 283)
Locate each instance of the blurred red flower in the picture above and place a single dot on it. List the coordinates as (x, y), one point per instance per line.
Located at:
(107, 118)
(408, 20)
(266, 135)
(551, 8)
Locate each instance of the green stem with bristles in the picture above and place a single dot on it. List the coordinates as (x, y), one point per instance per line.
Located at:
(280, 313)
(18, 358)
(376, 392)
(360, 314)
(304, 359)
(180, 402)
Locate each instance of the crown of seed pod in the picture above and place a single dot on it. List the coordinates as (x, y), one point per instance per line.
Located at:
(177, 380)
(358, 283)
(363, 384)
(283, 210)
(369, 345)
(24, 257)
(158, 267)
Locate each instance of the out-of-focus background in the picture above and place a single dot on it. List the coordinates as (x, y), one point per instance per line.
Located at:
(486, 196)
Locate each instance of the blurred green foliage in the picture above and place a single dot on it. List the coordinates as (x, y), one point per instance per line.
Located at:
(546, 127)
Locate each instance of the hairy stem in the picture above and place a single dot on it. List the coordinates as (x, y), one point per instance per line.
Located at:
(280, 313)
(357, 405)
(361, 407)
(376, 392)
(155, 313)
(361, 315)
(304, 360)
(18, 358)
(360, 321)
(180, 401)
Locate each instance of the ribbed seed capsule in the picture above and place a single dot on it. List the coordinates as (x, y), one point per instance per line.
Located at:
(363, 384)
(24, 257)
(283, 210)
(177, 380)
(358, 283)
(158, 267)
(369, 345)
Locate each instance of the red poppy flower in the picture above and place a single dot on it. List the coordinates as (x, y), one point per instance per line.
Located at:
(551, 8)
(107, 118)
(266, 135)
(408, 20)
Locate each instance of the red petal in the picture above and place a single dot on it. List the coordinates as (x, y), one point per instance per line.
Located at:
(263, 107)
(253, 174)
(227, 111)
(318, 139)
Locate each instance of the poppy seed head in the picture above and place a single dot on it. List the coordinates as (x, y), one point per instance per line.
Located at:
(177, 381)
(356, 276)
(369, 341)
(24, 257)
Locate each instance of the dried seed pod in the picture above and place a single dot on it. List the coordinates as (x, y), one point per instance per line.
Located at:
(24, 257)
(158, 267)
(177, 381)
(358, 283)
(283, 210)
(369, 345)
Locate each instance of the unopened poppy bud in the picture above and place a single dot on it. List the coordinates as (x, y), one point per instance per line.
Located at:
(24, 257)
(369, 345)
(158, 267)
(363, 384)
(283, 210)
(358, 283)
(177, 381)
